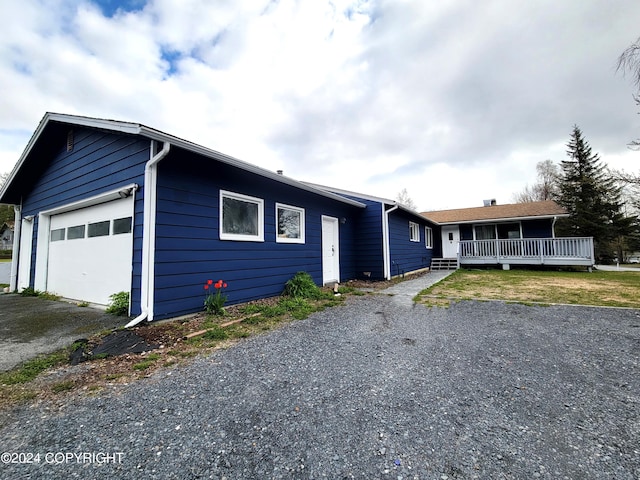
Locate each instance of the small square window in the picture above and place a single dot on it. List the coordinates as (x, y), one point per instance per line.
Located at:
(291, 225)
(414, 232)
(57, 235)
(122, 225)
(99, 229)
(75, 232)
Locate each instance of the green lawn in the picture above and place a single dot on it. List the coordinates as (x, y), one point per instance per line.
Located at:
(616, 289)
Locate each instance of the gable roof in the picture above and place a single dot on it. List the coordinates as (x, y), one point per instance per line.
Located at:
(10, 193)
(513, 211)
(373, 198)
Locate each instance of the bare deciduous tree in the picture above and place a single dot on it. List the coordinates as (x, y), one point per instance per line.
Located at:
(545, 188)
(404, 199)
(629, 62)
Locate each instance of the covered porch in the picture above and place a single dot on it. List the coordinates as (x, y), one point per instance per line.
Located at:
(569, 251)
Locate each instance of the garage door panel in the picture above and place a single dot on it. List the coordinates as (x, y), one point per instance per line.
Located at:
(91, 268)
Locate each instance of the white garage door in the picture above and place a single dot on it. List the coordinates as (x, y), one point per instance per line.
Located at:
(90, 252)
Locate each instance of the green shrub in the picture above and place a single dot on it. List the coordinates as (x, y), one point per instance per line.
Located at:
(119, 303)
(301, 285)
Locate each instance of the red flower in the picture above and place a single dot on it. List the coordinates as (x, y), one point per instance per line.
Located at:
(206, 287)
(224, 285)
(218, 285)
(209, 282)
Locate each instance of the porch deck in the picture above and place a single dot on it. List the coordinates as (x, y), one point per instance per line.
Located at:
(569, 251)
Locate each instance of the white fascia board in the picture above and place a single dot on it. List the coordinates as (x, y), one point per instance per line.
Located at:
(341, 191)
(112, 125)
(503, 220)
(200, 150)
(373, 198)
(153, 134)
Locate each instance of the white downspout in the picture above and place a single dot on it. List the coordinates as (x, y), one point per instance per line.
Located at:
(386, 248)
(553, 227)
(15, 255)
(149, 234)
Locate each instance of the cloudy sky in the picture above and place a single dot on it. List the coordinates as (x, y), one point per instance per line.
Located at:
(456, 101)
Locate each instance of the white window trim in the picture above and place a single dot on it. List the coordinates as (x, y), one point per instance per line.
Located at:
(428, 237)
(414, 228)
(240, 237)
(302, 224)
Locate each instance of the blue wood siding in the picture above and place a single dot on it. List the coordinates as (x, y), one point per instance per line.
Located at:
(407, 256)
(369, 248)
(99, 162)
(189, 251)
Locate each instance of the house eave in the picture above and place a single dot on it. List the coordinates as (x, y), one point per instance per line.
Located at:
(153, 134)
(384, 201)
(503, 220)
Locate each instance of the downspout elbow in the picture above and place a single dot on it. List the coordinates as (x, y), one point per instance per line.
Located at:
(137, 320)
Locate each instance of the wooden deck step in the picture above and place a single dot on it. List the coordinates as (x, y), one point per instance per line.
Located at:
(444, 264)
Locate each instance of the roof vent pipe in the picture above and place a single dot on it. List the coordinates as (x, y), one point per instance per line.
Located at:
(280, 172)
(490, 203)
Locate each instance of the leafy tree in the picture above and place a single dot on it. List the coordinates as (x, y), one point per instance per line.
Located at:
(6, 211)
(546, 186)
(404, 199)
(592, 198)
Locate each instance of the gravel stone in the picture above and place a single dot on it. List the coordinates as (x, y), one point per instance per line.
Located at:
(376, 388)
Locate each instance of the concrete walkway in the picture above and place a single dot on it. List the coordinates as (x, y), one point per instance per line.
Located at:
(616, 268)
(405, 291)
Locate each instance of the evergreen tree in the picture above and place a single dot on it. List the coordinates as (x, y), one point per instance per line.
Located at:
(592, 198)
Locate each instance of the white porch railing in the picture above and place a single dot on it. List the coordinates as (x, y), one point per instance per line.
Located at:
(528, 251)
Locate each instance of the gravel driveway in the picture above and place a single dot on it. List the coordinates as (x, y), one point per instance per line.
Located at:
(377, 388)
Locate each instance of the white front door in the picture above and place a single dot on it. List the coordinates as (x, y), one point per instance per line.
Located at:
(450, 239)
(24, 257)
(330, 250)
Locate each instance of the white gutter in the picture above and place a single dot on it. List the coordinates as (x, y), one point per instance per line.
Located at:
(17, 229)
(386, 249)
(149, 234)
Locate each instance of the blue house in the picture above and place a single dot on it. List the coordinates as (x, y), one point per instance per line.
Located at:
(104, 206)
(519, 233)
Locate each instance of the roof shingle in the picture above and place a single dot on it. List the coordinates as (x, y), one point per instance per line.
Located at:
(544, 209)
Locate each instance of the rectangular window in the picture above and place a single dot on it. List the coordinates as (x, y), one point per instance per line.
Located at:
(428, 237)
(75, 232)
(291, 224)
(414, 232)
(122, 225)
(241, 217)
(485, 232)
(99, 229)
(57, 235)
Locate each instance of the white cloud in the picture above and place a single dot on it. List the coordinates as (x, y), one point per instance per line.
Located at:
(454, 101)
